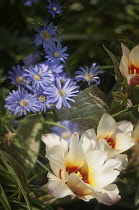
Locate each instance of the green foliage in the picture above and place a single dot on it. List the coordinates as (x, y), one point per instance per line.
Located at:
(87, 109)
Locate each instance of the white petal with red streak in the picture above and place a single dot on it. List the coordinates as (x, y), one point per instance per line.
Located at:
(123, 142)
(75, 156)
(106, 126)
(57, 188)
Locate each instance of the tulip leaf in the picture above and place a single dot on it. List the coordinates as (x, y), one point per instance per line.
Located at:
(119, 76)
(4, 200)
(17, 172)
(16, 167)
(87, 109)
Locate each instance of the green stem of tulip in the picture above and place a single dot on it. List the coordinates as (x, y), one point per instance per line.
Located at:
(128, 109)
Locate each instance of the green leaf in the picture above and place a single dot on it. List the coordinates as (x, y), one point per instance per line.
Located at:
(87, 109)
(28, 130)
(16, 167)
(7, 159)
(119, 76)
(4, 200)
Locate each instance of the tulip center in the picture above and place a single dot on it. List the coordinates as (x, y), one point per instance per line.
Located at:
(88, 77)
(110, 141)
(133, 70)
(78, 170)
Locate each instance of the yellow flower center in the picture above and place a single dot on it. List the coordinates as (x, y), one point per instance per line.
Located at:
(88, 77)
(42, 98)
(37, 76)
(65, 135)
(56, 54)
(45, 35)
(61, 92)
(54, 9)
(24, 102)
(19, 79)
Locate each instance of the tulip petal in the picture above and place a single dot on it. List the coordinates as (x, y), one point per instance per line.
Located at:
(75, 156)
(124, 61)
(134, 56)
(125, 126)
(123, 142)
(77, 186)
(106, 126)
(109, 195)
(86, 144)
(56, 156)
(101, 173)
(51, 139)
(57, 188)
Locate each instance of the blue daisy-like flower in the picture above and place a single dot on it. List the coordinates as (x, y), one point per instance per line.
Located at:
(61, 94)
(89, 75)
(21, 102)
(56, 53)
(32, 59)
(38, 76)
(29, 2)
(63, 132)
(54, 8)
(16, 77)
(42, 100)
(46, 35)
(54, 69)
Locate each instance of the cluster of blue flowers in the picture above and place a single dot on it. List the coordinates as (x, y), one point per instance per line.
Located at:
(42, 85)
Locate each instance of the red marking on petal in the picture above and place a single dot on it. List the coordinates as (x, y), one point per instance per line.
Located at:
(72, 169)
(110, 141)
(133, 69)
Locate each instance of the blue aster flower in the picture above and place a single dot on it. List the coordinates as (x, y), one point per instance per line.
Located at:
(46, 35)
(32, 59)
(42, 101)
(16, 76)
(38, 76)
(21, 102)
(56, 53)
(61, 94)
(63, 132)
(54, 8)
(54, 68)
(29, 2)
(89, 75)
